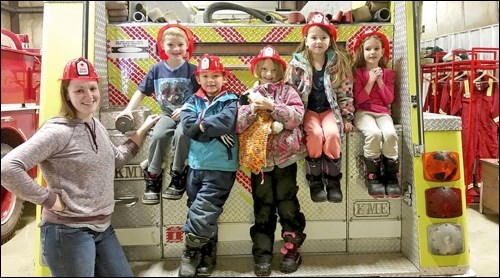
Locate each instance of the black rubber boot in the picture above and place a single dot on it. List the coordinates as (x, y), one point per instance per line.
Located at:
(291, 251)
(372, 169)
(153, 187)
(177, 185)
(333, 175)
(208, 258)
(391, 174)
(191, 255)
(313, 176)
(333, 190)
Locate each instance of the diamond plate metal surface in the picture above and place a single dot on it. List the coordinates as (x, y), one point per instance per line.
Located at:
(374, 245)
(402, 115)
(439, 122)
(100, 55)
(135, 215)
(313, 265)
(143, 253)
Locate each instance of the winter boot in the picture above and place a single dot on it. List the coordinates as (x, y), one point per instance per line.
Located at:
(372, 169)
(208, 258)
(177, 185)
(313, 176)
(391, 174)
(332, 176)
(262, 269)
(153, 187)
(191, 255)
(291, 251)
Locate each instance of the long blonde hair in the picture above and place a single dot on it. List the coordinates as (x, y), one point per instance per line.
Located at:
(344, 65)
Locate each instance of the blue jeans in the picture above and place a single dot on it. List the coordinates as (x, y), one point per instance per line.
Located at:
(82, 252)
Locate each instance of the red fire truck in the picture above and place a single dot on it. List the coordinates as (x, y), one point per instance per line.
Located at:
(21, 69)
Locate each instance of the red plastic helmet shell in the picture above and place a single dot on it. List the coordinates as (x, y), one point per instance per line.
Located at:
(319, 19)
(210, 63)
(268, 52)
(189, 35)
(79, 68)
(385, 41)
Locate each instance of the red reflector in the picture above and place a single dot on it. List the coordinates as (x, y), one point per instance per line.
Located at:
(443, 202)
(441, 166)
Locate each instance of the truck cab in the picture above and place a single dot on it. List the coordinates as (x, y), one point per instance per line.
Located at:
(21, 73)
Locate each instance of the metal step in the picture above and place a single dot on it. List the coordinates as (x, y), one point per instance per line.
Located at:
(313, 265)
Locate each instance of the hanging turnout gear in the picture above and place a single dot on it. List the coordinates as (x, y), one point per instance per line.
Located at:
(332, 176)
(372, 169)
(208, 258)
(291, 251)
(153, 187)
(191, 255)
(391, 174)
(313, 175)
(177, 185)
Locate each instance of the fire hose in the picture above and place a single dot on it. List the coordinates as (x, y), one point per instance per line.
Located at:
(217, 6)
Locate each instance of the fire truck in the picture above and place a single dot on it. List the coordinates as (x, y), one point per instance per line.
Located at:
(21, 69)
(422, 233)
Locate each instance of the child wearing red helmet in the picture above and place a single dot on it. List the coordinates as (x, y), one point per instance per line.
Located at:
(373, 95)
(272, 158)
(322, 74)
(173, 82)
(78, 161)
(208, 118)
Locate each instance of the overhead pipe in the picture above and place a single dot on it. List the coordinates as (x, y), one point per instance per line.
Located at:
(382, 15)
(217, 6)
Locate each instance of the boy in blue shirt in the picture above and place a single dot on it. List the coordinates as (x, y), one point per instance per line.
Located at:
(173, 82)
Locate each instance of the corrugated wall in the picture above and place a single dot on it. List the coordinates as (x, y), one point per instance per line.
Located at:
(480, 37)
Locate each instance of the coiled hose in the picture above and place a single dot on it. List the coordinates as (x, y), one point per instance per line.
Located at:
(217, 6)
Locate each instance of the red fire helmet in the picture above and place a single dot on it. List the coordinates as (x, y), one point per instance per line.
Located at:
(189, 35)
(209, 63)
(319, 19)
(268, 52)
(383, 38)
(79, 68)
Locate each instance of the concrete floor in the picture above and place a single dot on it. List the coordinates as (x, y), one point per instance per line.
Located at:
(18, 253)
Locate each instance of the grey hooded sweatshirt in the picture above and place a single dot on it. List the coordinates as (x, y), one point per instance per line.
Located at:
(78, 162)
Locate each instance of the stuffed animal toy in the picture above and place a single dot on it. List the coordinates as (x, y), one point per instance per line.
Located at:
(249, 98)
(253, 141)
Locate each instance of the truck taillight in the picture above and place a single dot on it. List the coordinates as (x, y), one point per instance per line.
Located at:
(443, 202)
(441, 166)
(445, 239)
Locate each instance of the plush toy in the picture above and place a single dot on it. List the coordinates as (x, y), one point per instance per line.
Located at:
(249, 98)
